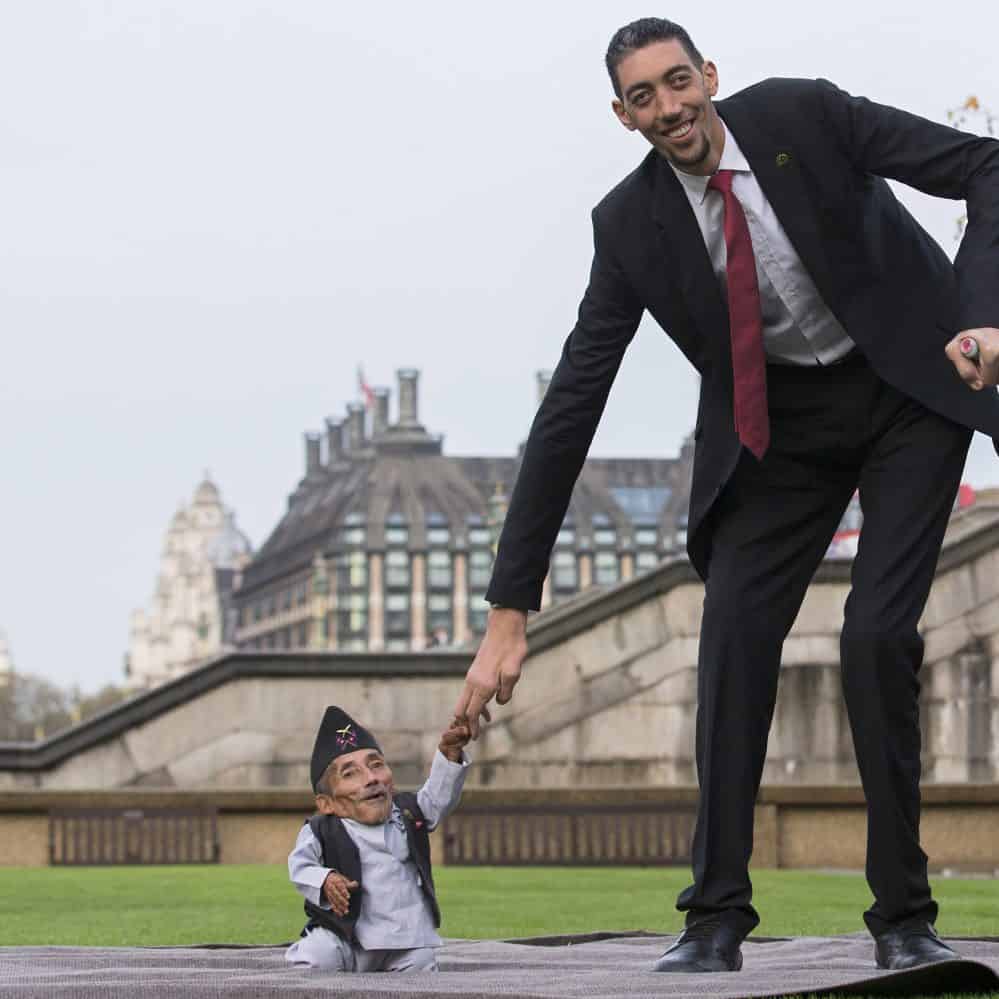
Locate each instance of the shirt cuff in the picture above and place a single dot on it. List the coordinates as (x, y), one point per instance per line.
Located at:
(440, 760)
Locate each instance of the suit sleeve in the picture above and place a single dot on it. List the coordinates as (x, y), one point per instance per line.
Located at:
(563, 430)
(938, 160)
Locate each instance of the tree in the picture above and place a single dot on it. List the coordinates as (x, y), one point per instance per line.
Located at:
(971, 116)
(32, 707)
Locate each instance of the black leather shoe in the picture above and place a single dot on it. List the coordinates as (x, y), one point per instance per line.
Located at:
(708, 945)
(910, 945)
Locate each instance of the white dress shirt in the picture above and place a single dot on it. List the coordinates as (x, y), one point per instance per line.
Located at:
(798, 326)
(394, 913)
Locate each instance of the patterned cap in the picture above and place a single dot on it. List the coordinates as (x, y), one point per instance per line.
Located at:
(338, 734)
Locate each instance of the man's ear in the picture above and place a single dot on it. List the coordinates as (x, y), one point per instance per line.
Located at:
(324, 804)
(710, 73)
(622, 115)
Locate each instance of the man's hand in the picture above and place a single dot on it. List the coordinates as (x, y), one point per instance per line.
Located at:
(337, 890)
(496, 667)
(984, 370)
(455, 738)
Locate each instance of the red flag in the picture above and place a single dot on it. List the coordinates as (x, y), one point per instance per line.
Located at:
(367, 393)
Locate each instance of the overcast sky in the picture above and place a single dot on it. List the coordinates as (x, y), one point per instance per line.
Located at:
(212, 212)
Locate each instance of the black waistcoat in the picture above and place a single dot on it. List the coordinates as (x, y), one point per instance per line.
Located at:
(339, 852)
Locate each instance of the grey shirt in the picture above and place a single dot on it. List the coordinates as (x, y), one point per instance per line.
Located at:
(394, 913)
(798, 326)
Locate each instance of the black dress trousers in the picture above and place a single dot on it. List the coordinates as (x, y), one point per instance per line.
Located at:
(834, 430)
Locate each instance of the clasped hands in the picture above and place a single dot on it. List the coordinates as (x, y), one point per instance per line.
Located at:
(984, 371)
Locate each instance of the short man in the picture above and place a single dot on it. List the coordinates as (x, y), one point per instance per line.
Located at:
(363, 861)
(761, 235)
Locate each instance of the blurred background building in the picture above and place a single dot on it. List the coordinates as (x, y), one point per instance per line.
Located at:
(388, 543)
(191, 616)
(6, 660)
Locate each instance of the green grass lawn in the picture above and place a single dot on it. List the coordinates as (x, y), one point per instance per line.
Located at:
(136, 906)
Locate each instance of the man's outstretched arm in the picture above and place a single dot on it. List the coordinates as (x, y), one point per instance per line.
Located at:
(556, 448)
(948, 163)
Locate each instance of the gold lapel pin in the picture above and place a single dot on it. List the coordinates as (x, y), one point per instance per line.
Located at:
(783, 159)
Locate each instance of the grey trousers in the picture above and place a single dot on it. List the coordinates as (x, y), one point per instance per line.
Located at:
(324, 950)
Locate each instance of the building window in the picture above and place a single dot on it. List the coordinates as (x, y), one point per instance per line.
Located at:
(646, 538)
(605, 537)
(605, 568)
(642, 504)
(397, 617)
(478, 612)
(439, 570)
(352, 620)
(354, 536)
(681, 531)
(301, 592)
(646, 560)
(397, 569)
(480, 568)
(566, 537)
(302, 635)
(479, 536)
(439, 618)
(438, 536)
(565, 571)
(396, 536)
(286, 599)
(351, 571)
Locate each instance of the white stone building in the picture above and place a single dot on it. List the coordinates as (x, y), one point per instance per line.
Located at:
(189, 619)
(6, 661)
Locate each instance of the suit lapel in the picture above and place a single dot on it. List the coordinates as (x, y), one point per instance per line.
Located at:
(777, 169)
(683, 243)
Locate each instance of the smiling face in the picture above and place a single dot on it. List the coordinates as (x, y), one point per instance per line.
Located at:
(357, 786)
(668, 99)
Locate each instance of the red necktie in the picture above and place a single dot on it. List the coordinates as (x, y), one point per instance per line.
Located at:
(749, 367)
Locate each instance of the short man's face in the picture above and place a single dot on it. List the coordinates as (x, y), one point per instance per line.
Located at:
(668, 99)
(361, 786)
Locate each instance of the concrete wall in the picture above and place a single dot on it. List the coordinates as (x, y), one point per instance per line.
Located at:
(796, 827)
(607, 698)
(614, 703)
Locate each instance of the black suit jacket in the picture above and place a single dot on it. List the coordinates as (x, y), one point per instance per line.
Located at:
(820, 156)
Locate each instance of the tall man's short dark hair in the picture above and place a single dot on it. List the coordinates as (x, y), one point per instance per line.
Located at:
(640, 33)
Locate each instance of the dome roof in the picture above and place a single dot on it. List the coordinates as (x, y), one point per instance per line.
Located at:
(207, 492)
(229, 546)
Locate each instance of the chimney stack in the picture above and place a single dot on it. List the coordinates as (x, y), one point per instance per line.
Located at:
(355, 426)
(381, 418)
(313, 461)
(408, 402)
(544, 379)
(334, 441)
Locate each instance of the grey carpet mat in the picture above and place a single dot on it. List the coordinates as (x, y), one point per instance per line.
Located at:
(586, 967)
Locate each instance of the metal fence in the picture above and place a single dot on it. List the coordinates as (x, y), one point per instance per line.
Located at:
(133, 836)
(569, 834)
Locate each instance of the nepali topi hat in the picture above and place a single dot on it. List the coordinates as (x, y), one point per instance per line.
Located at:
(338, 734)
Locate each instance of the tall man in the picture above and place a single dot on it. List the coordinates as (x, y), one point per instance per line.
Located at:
(825, 324)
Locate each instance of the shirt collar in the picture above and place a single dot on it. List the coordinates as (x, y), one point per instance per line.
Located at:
(732, 158)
